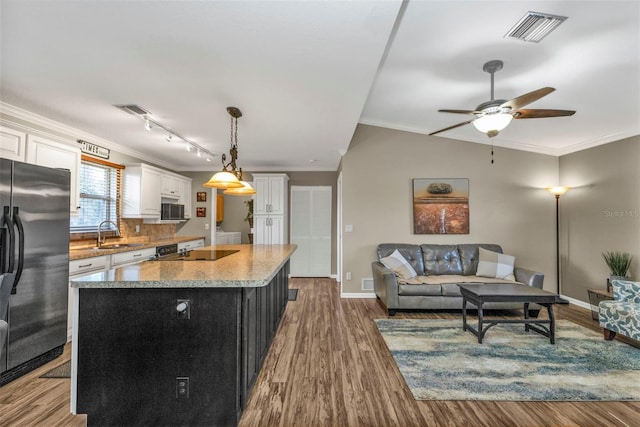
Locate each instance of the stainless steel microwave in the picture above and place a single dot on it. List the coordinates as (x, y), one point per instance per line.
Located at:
(172, 211)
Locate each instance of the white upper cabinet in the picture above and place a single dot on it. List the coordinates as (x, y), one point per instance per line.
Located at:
(171, 186)
(141, 193)
(44, 152)
(185, 196)
(13, 144)
(271, 194)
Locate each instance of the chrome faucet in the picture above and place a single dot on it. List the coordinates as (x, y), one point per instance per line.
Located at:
(100, 242)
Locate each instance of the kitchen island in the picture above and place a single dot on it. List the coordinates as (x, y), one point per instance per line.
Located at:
(176, 342)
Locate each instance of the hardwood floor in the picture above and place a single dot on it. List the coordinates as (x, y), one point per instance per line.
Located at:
(328, 366)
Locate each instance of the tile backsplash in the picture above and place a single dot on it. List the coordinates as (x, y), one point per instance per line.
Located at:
(148, 232)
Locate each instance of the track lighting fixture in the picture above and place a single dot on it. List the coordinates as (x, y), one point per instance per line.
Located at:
(149, 123)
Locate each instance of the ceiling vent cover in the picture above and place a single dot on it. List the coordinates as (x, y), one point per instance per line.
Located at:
(534, 26)
(136, 110)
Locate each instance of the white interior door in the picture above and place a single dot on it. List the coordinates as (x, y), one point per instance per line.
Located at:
(311, 231)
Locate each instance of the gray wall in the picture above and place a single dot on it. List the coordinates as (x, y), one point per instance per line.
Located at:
(508, 204)
(600, 213)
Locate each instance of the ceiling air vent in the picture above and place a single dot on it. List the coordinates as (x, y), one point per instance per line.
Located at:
(534, 26)
(136, 110)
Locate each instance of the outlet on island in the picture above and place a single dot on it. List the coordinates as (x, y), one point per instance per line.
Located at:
(182, 387)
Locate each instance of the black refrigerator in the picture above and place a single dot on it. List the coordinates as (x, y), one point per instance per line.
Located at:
(34, 245)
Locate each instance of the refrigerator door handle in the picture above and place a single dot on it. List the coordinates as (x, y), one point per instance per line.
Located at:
(12, 241)
(20, 227)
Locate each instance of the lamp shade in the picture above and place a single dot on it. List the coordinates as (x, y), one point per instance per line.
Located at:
(492, 122)
(558, 190)
(246, 190)
(223, 180)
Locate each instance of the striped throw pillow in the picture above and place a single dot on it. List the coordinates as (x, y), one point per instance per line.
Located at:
(396, 263)
(495, 265)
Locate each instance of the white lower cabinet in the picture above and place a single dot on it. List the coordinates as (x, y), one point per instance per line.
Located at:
(228, 238)
(82, 267)
(190, 245)
(132, 257)
(269, 230)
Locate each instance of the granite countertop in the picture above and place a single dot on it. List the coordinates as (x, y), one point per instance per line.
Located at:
(252, 266)
(90, 252)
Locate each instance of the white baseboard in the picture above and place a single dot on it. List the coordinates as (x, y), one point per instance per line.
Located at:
(577, 302)
(357, 295)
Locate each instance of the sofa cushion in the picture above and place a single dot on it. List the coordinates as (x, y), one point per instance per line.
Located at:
(441, 259)
(495, 265)
(420, 290)
(412, 253)
(396, 263)
(469, 256)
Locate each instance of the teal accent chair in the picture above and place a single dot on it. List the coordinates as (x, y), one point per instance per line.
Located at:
(622, 315)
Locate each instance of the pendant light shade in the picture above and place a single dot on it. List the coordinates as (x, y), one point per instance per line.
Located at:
(223, 180)
(246, 190)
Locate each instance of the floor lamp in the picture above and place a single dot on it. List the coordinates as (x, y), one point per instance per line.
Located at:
(558, 191)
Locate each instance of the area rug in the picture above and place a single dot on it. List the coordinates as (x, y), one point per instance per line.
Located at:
(440, 361)
(293, 295)
(62, 371)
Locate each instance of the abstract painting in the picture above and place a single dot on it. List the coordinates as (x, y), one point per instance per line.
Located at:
(441, 206)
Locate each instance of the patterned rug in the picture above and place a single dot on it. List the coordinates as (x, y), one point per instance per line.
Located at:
(62, 371)
(439, 361)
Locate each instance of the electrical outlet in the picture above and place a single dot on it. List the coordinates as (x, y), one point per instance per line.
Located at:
(182, 387)
(206, 226)
(348, 275)
(183, 309)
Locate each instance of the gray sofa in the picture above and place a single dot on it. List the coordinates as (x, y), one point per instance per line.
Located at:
(440, 268)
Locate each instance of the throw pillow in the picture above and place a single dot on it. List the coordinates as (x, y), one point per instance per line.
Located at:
(496, 265)
(399, 265)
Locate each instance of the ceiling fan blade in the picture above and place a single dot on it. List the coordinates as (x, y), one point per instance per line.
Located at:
(451, 127)
(540, 114)
(458, 111)
(527, 98)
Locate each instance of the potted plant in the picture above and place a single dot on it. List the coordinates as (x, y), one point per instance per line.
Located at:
(249, 216)
(619, 264)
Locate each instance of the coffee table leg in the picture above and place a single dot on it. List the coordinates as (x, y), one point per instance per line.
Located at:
(552, 324)
(464, 314)
(526, 316)
(480, 331)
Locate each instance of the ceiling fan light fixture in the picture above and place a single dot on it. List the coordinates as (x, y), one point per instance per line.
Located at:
(491, 124)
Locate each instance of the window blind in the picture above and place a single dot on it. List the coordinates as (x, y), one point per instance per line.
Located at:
(99, 197)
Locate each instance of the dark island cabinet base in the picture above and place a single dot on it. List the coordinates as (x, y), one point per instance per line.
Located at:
(141, 364)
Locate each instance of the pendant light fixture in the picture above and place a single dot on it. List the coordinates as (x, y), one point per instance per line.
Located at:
(230, 178)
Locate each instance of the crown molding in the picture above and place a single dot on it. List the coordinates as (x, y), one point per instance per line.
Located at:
(72, 133)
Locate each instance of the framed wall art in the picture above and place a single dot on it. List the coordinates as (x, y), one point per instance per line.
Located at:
(441, 206)
(201, 212)
(201, 196)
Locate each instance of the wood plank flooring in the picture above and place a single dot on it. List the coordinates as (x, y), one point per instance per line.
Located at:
(328, 366)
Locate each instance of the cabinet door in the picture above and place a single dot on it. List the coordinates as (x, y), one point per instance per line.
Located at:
(150, 183)
(262, 232)
(262, 197)
(185, 196)
(250, 356)
(276, 230)
(12, 144)
(276, 195)
(170, 186)
(53, 154)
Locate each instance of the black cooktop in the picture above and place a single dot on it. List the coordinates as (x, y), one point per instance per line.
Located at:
(200, 255)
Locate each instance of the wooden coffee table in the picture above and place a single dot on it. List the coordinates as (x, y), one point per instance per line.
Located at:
(478, 294)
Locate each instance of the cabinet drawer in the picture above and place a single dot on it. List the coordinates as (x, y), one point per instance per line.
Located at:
(132, 256)
(193, 244)
(88, 265)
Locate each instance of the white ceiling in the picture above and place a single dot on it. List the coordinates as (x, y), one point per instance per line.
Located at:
(304, 73)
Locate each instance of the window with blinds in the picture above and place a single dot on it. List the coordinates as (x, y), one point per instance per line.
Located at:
(99, 197)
